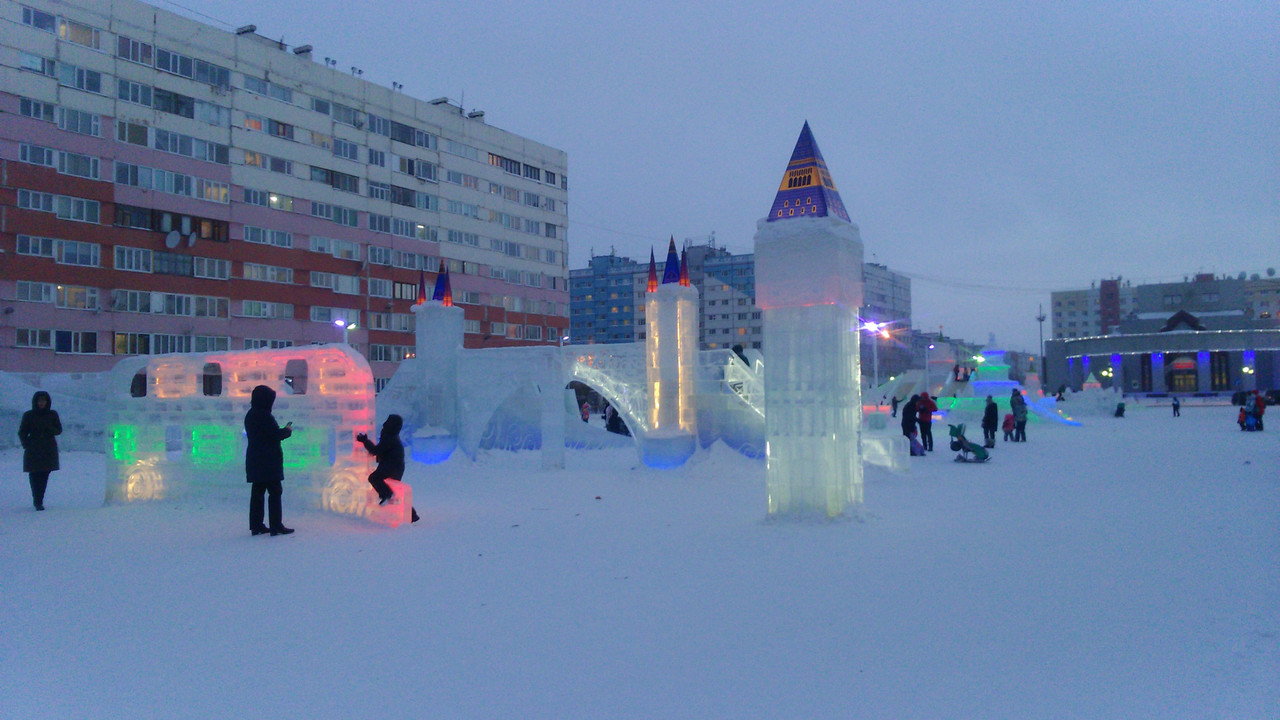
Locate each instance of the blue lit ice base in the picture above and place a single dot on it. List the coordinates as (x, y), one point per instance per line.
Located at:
(429, 447)
(662, 450)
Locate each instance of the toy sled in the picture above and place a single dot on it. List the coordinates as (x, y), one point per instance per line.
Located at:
(969, 452)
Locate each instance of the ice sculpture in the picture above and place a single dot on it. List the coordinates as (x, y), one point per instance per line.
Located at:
(671, 347)
(438, 337)
(176, 426)
(809, 286)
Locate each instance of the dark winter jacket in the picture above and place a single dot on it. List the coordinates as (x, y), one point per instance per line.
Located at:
(1018, 404)
(263, 458)
(925, 408)
(909, 414)
(389, 451)
(37, 433)
(990, 416)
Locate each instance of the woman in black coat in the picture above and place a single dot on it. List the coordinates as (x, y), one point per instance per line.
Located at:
(37, 432)
(990, 421)
(264, 461)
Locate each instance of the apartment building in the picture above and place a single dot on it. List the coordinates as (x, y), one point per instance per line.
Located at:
(167, 186)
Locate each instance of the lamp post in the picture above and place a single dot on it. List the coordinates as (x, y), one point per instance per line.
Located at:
(1043, 367)
(926, 366)
(346, 328)
(877, 331)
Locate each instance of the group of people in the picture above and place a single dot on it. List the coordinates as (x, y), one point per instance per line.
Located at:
(917, 420)
(1255, 405)
(918, 413)
(263, 457)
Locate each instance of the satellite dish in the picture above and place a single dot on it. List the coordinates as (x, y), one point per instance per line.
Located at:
(191, 240)
(172, 239)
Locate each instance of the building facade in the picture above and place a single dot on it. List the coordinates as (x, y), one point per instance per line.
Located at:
(167, 186)
(1207, 335)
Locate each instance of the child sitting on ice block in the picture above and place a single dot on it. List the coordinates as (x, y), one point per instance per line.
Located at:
(390, 455)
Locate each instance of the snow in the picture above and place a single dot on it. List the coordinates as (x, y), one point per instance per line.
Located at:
(1123, 569)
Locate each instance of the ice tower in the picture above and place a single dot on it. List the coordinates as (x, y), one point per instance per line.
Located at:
(809, 285)
(439, 327)
(671, 347)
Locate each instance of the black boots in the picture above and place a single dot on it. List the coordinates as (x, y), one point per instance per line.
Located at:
(282, 530)
(259, 531)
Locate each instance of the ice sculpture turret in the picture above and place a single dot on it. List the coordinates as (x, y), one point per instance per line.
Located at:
(439, 325)
(809, 286)
(671, 353)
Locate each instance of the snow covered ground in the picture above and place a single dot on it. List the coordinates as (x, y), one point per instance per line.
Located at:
(1126, 569)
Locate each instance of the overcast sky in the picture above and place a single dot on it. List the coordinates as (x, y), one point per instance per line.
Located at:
(992, 153)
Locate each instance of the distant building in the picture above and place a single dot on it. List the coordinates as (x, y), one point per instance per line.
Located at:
(1206, 335)
(601, 310)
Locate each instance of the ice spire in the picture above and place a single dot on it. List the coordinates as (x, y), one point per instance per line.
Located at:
(807, 189)
(443, 292)
(653, 273)
(671, 273)
(684, 268)
(422, 287)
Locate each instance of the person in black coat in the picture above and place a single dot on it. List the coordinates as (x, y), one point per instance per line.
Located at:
(990, 421)
(264, 461)
(390, 455)
(909, 416)
(37, 432)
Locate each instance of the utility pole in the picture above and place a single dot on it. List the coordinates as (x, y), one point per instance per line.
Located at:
(1043, 366)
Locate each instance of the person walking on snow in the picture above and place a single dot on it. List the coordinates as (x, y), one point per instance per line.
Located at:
(894, 405)
(264, 461)
(924, 412)
(990, 420)
(389, 453)
(37, 432)
(1019, 406)
(1177, 407)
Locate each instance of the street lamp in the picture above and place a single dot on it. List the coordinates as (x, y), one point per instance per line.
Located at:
(346, 328)
(877, 331)
(1040, 319)
(926, 367)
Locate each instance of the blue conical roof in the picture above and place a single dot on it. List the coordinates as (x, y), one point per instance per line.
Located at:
(671, 272)
(807, 189)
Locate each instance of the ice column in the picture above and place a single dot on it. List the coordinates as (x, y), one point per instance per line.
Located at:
(809, 286)
(671, 346)
(438, 325)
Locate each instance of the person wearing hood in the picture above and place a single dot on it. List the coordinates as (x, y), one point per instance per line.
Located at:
(38, 433)
(389, 453)
(909, 417)
(990, 420)
(925, 409)
(264, 461)
(1019, 406)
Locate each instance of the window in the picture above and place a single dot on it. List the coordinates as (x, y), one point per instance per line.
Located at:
(533, 173)
(405, 291)
(377, 157)
(346, 115)
(212, 269)
(36, 109)
(379, 125)
(268, 273)
(263, 236)
(133, 50)
(37, 155)
(255, 197)
(280, 202)
(75, 252)
(35, 338)
(79, 34)
(345, 149)
(320, 106)
(379, 255)
(35, 291)
(256, 343)
(73, 297)
(456, 148)
(38, 20)
(507, 164)
(174, 63)
(133, 92)
(79, 122)
(262, 87)
(261, 309)
(173, 103)
(279, 129)
(551, 177)
(132, 259)
(75, 341)
(79, 78)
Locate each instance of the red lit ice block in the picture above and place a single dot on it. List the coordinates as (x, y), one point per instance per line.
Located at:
(397, 510)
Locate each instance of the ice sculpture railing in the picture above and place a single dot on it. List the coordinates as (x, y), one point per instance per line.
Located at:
(745, 381)
(618, 373)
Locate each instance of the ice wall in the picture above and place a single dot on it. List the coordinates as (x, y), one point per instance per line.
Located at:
(809, 285)
(671, 357)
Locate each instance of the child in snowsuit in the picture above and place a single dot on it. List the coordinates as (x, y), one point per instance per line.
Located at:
(390, 455)
(1007, 426)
